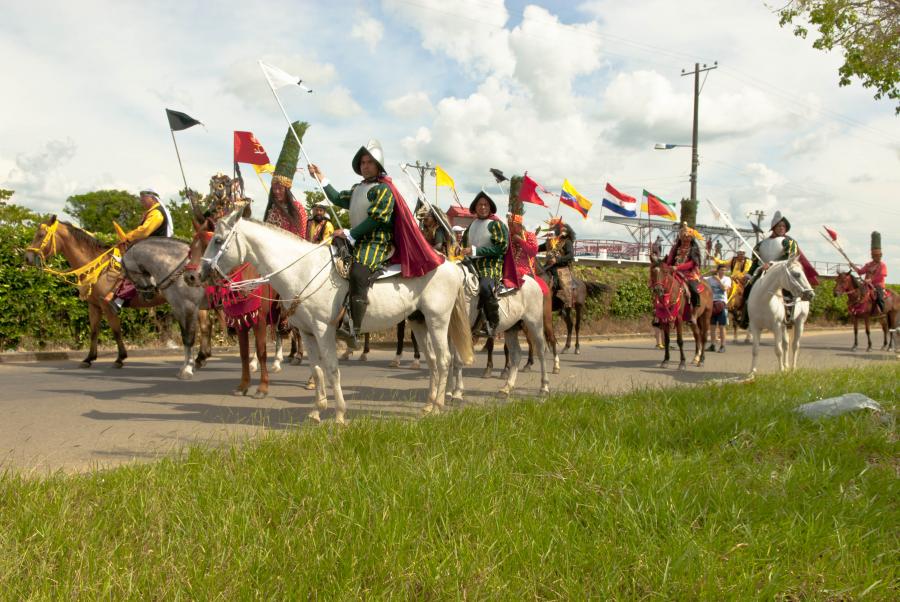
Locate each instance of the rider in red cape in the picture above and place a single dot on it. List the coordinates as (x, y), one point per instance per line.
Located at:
(415, 256)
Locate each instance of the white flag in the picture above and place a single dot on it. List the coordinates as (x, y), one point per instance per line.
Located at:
(280, 79)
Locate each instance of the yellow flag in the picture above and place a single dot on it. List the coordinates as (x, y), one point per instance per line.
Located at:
(441, 177)
(267, 168)
(120, 233)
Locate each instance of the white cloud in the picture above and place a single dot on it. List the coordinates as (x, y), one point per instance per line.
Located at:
(550, 55)
(339, 103)
(468, 31)
(367, 29)
(410, 105)
(38, 177)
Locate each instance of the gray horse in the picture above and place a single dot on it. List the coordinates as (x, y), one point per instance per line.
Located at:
(155, 265)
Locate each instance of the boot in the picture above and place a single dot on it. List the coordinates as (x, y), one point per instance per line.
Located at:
(116, 305)
(492, 314)
(349, 329)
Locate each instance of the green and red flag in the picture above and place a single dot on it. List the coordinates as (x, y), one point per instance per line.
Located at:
(654, 205)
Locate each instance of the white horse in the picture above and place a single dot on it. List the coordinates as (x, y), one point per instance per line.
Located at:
(525, 305)
(765, 306)
(313, 292)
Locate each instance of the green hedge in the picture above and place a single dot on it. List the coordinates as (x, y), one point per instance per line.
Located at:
(40, 310)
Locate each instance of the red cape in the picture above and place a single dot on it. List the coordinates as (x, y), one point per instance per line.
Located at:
(411, 250)
(811, 274)
(511, 277)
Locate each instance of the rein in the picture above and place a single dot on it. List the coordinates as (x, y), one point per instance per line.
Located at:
(663, 296)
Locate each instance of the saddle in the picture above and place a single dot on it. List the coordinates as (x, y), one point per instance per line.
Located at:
(566, 286)
(343, 261)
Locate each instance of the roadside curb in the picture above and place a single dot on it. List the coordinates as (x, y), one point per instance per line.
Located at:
(19, 357)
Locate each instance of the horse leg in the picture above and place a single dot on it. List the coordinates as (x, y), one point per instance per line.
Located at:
(437, 356)
(279, 348)
(755, 332)
(868, 334)
(187, 322)
(549, 335)
(415, 364)
(679, 336)
(260, 335)
(578, 309)
(855, 333)
(779, 331)
(884, 328)
(799, 324)
(401, 334)
(515, 352)
(505, 372)
(364, 356)
(567, 318)
(204, 326)
(94, 314)
(699, 341)
(328, 360)
(666, 340)
(530, 362)
(489, 367)
(243, 336)
(318, 375)
(534, 332)
(297, 340)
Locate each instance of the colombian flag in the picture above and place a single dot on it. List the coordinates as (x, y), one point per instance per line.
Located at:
(574, 199)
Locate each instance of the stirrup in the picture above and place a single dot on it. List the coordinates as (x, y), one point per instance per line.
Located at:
(346, 334)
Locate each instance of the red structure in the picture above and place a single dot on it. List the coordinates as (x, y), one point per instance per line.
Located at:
(459, 216)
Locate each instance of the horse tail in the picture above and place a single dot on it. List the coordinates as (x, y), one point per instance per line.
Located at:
(460, 331)
(595, 289)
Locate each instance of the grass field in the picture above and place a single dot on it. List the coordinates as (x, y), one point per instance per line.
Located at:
(717, 492)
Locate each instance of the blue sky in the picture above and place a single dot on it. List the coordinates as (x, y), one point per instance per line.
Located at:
(561, 89)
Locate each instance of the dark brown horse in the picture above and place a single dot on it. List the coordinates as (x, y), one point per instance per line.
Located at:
(253, 310)
(579, 290)
(861, 304)
(95, 278)
(671, 303)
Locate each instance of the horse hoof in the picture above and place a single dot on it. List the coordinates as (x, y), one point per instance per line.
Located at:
(429, 409)
(503, 393)
(260, 394)
(296, 361)
(415, 364)
(314, 417)
(457, 400)
(526, 368)
(395, 363)
(545, 392)
(578, 351)
(276, 367)
(488, 373)
(239, 392)
(504, 374)
(664, 364)
(364, 357)
(681, 366)
(339, 419)
(555, 369)
(311, 384)
(85, 364)
(116, 364)
(565, 350)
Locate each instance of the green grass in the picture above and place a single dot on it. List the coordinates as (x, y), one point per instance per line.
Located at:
(719, 492)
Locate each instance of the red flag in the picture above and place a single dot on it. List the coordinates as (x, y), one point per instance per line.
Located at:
(831, 233)
(247, 149)
(528, 192)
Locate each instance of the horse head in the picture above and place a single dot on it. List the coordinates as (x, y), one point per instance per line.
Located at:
(796, 279)
(224, 246)
(203, 233)
(43, 245)
(846, 283)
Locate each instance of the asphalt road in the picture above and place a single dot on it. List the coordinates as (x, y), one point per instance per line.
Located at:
(58, 416)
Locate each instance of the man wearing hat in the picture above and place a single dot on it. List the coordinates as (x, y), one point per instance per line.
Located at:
(283, 210)
(156, 221)
(485, 241)
(778, 247)
(685, 258)
(382, 229)
(740, 266)
(320, 227)
(432, 231)
(875, 272)
(560, 250)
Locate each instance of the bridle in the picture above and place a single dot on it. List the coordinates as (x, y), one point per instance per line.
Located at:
(48, 240)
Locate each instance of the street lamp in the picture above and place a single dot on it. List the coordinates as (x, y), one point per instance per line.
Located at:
(659, 146)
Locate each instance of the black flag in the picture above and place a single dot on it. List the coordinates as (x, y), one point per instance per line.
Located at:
(498, 175)
(180, 121)
(756, 229)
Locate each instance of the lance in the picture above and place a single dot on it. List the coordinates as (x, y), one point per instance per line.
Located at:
(724, 217)
(429, 206)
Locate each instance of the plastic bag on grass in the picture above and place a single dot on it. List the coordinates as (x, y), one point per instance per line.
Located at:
(835, 406)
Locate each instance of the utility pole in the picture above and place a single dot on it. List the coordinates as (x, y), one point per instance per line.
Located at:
(689, 206)
(422, 169)
(759, 215)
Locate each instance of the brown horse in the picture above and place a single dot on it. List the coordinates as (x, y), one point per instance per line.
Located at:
(861, 304)
(95, 277)
(670, 302)
(261, 307)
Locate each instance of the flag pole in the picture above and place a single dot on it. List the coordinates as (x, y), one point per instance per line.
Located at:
(421, 194)
(719, 213)
(337, 222)
(261, 182)
(184, 179)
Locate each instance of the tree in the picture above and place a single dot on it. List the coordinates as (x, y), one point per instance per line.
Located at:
(5, 195)
(182, 218)
(868, 31)
(96, 211)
